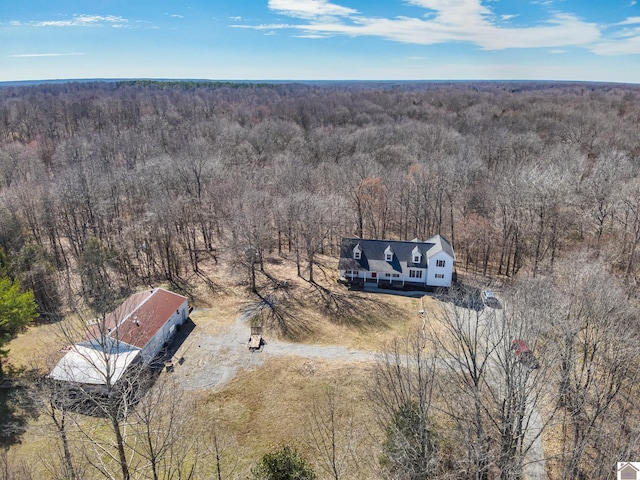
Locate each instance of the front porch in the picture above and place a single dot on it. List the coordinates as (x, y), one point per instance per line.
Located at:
(386, 283)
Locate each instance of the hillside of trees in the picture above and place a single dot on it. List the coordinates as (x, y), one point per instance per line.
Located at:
(150, 178)
(108, 187)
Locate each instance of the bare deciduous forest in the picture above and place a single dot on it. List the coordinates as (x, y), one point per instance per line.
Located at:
(115, 186)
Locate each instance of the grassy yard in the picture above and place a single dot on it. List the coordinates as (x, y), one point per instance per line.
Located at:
(281, 403)
(274, 403)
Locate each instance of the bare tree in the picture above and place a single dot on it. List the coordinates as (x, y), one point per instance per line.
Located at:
(220, 452)
(462, 340)
(403, 392)
(597, 371)
(314, 215)
(11, 469)
(491, 391)
(159, 433)
(55, 405)
(332, 432)
(253, 231)
(600, 195)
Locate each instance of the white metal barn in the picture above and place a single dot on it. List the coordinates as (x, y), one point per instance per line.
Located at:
(133, 332)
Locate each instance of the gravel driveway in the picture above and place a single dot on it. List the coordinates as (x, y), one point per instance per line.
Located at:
(210, 361)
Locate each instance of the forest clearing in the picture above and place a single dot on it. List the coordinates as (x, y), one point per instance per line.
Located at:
(238, 196)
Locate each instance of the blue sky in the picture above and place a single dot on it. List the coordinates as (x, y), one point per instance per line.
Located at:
(588, 40)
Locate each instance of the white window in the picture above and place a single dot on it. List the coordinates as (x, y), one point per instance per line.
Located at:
(357, 252)
(440, 263)
(388, 254)
(393, 275)
(415, 273)
(439, 275)
(416, 255)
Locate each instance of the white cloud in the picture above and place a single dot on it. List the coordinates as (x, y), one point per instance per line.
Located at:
(628, 46)
(467, 21)
(630, 21)
(78, 21)
(271, 26)
(621, 41)
(454, 12)
(462, 21)
(310, 8)
(561, 30)
(28, 55)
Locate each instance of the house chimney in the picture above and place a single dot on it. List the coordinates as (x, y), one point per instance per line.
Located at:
(135, 320)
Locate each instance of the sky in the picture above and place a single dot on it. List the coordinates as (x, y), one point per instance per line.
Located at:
(571, 40)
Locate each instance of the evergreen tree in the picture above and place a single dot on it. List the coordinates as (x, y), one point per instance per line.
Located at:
(17, 310)
(284, 464)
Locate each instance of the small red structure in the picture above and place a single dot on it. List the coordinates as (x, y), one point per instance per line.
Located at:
(524, 353)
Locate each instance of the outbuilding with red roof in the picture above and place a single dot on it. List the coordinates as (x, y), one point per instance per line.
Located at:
(133, 332)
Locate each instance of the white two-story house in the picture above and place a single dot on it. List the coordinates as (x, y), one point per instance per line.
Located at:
(409, 264)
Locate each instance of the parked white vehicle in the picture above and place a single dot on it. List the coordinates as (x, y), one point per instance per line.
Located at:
(489, 298)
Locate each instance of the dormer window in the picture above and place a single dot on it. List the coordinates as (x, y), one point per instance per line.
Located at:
(388, 254)
(357, 252)
(416, 254)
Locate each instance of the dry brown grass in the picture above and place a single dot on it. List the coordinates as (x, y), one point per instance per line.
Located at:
(22, 348)
(38, 347)
(269, 405)
(272, 405)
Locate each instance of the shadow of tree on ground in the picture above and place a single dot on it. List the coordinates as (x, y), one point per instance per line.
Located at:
(285, 305)
(345, 307)
(462, 295)
(17, 407)
(278, 310)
